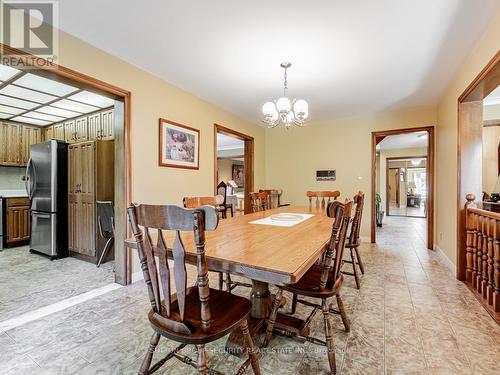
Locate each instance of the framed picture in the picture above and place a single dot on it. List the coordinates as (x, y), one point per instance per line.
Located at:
(179, 145)
(239, 174)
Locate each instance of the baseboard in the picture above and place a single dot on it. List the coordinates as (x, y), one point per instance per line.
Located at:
(448, 263)
(137, 276)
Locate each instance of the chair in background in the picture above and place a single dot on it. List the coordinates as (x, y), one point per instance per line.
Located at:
(194, 315)
(259, 201)
(106, 225)
(322, 194)
(353, 242)
(224, 206)
(274, 197)
(321, 281)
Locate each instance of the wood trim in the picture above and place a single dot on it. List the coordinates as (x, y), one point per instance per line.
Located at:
(488, 123)
(60, 73)
(487, 79)
(249, 161)
(160, 140)
(376, 137)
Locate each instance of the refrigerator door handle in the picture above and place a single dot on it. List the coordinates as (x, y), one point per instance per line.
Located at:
(27, 177)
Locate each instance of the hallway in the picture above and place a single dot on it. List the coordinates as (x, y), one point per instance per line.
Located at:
(410, 317)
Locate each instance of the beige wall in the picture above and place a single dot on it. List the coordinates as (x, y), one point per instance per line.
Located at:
(153, 98)
(491, 138)
(446, 146)
(381, 173)
(225, 167)
(293, 156)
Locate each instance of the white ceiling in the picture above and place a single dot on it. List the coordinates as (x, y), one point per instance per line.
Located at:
(349, 57)
(493, 98)
(400, 141)
(225, 142)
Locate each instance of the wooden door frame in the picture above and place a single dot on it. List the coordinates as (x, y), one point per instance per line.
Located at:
(123, 187)
(248, 163)
(406, 172)
(377, 137)
(469, 148)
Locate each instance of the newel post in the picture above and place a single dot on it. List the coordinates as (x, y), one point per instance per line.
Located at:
(471, 240)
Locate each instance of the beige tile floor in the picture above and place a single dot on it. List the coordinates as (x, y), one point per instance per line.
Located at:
(410, 317)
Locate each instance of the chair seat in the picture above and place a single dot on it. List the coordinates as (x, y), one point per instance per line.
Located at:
(227, 312)
(308, 285)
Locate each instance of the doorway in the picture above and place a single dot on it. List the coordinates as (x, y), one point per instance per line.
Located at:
(121, 121)
(403, 177)
(233, 165)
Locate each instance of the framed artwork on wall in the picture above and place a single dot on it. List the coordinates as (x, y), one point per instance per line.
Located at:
(239, 174)
(179, 145)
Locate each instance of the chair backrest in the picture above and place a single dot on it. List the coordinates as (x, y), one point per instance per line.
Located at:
(274, 196)
(145, 219)
(222, 190)
(359, 201)
(323, 195)
(260, 201)
(341, 213)
(193, 202)
(106, 218)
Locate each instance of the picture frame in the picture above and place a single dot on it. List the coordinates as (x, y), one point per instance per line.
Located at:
(179, 145)
(238, 174)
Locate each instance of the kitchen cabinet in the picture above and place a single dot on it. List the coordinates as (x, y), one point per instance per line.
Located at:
(29, 136)
(76, 130)
(55, 131)
(10, 144)
(18, 220)
(101, 125)
(90, 178)
(69, 131)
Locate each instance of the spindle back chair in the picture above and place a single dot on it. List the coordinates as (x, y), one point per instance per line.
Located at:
(259, 201)
(353, 242)
(324, 195)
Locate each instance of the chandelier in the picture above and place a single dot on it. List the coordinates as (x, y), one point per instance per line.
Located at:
(294, 112)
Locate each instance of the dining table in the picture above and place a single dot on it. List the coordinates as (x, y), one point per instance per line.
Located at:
(274, 246)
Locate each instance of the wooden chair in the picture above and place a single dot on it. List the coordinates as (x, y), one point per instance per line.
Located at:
(353, 242)
(222, 190)
(106, 225)
(322, 194)
(322, 282)
(274, 197)
(259, 201)
(195, 202)
(194, 315)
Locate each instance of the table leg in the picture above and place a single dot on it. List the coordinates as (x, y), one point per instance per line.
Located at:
(260, 298)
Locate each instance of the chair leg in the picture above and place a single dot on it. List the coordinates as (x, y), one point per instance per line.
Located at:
(108, 245)
(228, 282)
(360, 263)
(224, 214)
(202, 360)
(343, 313)
(272, 317)
(232, 213)
(354, 268)
(329, 337)
(251, 348)
(146, 363)
(221, 281)
(294, 303)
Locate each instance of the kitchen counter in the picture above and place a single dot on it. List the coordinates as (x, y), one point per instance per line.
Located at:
(11, 193)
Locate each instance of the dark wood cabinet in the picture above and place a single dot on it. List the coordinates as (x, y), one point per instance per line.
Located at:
(18, 221)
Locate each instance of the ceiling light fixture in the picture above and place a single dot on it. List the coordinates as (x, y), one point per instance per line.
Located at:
(285, 111)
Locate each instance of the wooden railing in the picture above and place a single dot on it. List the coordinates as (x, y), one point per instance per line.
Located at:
(483, 253)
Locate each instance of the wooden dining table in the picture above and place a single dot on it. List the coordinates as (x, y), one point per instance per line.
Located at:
(265, 254)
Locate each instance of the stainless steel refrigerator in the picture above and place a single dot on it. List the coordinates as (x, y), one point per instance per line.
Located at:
(47, 187)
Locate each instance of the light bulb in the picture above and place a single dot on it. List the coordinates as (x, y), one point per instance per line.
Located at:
(268, 109)
(300, 107)
(283, 105)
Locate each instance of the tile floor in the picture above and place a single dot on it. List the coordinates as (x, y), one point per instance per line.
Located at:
(31, 281)
(410, 317)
